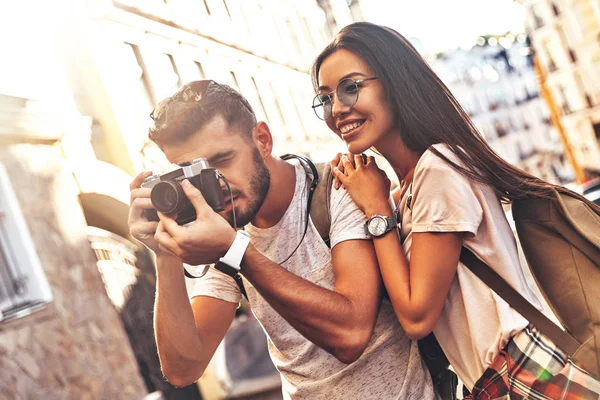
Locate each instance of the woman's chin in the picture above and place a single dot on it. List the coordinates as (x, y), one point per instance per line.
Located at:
(355, 147)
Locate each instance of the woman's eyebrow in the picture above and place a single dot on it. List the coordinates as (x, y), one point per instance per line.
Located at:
(350, 75)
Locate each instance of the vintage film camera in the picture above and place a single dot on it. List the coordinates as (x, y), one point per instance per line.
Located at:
(168, 196)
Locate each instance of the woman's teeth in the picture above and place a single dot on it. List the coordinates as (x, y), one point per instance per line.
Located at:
(350, 127)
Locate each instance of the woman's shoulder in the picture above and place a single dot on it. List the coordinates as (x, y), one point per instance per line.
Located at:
(431, 159)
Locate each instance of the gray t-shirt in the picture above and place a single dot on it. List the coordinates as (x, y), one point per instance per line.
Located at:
(389, 368)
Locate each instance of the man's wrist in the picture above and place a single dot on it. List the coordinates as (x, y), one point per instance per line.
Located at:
(228, 242)
(231, 261)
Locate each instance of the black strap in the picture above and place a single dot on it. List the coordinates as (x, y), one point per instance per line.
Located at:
(491, 278)
(311, 171)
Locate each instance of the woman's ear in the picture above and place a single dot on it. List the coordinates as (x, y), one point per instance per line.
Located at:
(262, 138)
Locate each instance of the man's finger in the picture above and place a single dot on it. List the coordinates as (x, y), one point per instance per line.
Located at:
(163, 237)
(195, 197)
(137, 209)
(142, 193)
(169, 225)
(137, 181)
(142, 229)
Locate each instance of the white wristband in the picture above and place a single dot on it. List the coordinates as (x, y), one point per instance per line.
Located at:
(233, 257)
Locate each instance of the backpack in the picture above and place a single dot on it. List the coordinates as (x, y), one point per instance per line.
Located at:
(560, 238)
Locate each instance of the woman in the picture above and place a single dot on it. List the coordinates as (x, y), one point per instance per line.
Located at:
(375, 91)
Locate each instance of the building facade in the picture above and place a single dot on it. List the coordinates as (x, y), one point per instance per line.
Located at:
(564, 35)
(60, 336)
(496, 84)
(76, 291)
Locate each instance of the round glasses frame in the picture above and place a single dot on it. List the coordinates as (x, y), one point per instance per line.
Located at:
(346, 92)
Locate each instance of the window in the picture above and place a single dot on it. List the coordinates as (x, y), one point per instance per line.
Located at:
(163, 78)
(174, 66)
(138, 72)
(262, 104)
(201, 69)
(227, 9)
(23, 285)
(206, 7)
(234, 80)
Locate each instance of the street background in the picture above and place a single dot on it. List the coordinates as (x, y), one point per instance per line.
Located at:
(78, 79)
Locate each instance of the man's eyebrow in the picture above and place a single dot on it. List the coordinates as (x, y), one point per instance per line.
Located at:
(214, 158)
(350, 75)
(220, 155)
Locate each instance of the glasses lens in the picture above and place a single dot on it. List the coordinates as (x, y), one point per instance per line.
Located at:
(347, 92)
(322, 106)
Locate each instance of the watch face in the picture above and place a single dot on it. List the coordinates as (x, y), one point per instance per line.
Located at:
(377, 226)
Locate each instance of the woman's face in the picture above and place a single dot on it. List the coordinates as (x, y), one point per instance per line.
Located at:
(370, 119)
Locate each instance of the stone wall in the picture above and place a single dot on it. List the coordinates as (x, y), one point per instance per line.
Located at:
(76, 348)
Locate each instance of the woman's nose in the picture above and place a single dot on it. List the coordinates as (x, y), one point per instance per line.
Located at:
(338, 108)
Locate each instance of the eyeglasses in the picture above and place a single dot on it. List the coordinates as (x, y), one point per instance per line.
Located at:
(347, 94)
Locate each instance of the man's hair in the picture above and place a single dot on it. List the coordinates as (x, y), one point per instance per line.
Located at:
(178, 117)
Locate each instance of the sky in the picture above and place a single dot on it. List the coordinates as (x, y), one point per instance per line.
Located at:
(446, 24)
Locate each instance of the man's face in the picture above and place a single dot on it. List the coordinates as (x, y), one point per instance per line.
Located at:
(233, 156)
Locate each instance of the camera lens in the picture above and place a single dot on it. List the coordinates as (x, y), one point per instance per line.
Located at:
(168, 197)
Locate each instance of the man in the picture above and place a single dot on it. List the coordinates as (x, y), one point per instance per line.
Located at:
(329, 333)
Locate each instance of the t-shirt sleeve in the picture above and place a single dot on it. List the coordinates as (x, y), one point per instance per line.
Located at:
(216, 284)
(442, 199)
(347, 220)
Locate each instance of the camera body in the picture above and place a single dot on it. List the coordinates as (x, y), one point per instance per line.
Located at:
(168, 197)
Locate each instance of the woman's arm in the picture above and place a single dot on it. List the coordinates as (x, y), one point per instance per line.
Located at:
(418, 289)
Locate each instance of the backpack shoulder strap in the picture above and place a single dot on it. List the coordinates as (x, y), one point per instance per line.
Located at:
(495, 282)
(320, 209)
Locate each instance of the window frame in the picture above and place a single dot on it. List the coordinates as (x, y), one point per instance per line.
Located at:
(17, 244)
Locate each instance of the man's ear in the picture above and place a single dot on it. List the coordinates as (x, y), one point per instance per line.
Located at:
(262, 138)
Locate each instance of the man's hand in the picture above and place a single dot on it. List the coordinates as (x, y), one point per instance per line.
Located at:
(204, 241)
(139, 227)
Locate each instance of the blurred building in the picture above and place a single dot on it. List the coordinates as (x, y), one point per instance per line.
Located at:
(496, 84)
(132, 54)
(565, 36)
(339, 13)
(76, 292)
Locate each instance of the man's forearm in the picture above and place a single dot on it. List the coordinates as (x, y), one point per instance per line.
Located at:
(329, 319)
(178, 343)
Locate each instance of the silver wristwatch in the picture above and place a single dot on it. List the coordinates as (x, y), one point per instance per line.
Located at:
(379, 225)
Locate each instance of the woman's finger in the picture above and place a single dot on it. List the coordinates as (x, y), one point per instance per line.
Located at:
(359, 160)
(339, 175)
(348, 165)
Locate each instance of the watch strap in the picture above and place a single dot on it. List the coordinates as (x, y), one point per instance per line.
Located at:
(230, 262)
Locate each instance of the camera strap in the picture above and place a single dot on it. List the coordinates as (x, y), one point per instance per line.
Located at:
(312, 173)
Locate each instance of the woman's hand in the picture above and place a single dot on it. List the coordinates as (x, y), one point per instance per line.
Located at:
(366, 183)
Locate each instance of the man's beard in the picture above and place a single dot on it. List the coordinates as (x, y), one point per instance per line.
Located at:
(260, 182)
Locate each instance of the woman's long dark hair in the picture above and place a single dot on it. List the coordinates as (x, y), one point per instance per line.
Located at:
(427, 113)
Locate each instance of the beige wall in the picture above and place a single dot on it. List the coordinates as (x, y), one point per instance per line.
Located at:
(76, 347)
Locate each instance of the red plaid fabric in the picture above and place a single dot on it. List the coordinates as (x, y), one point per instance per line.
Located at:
(532, 367)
